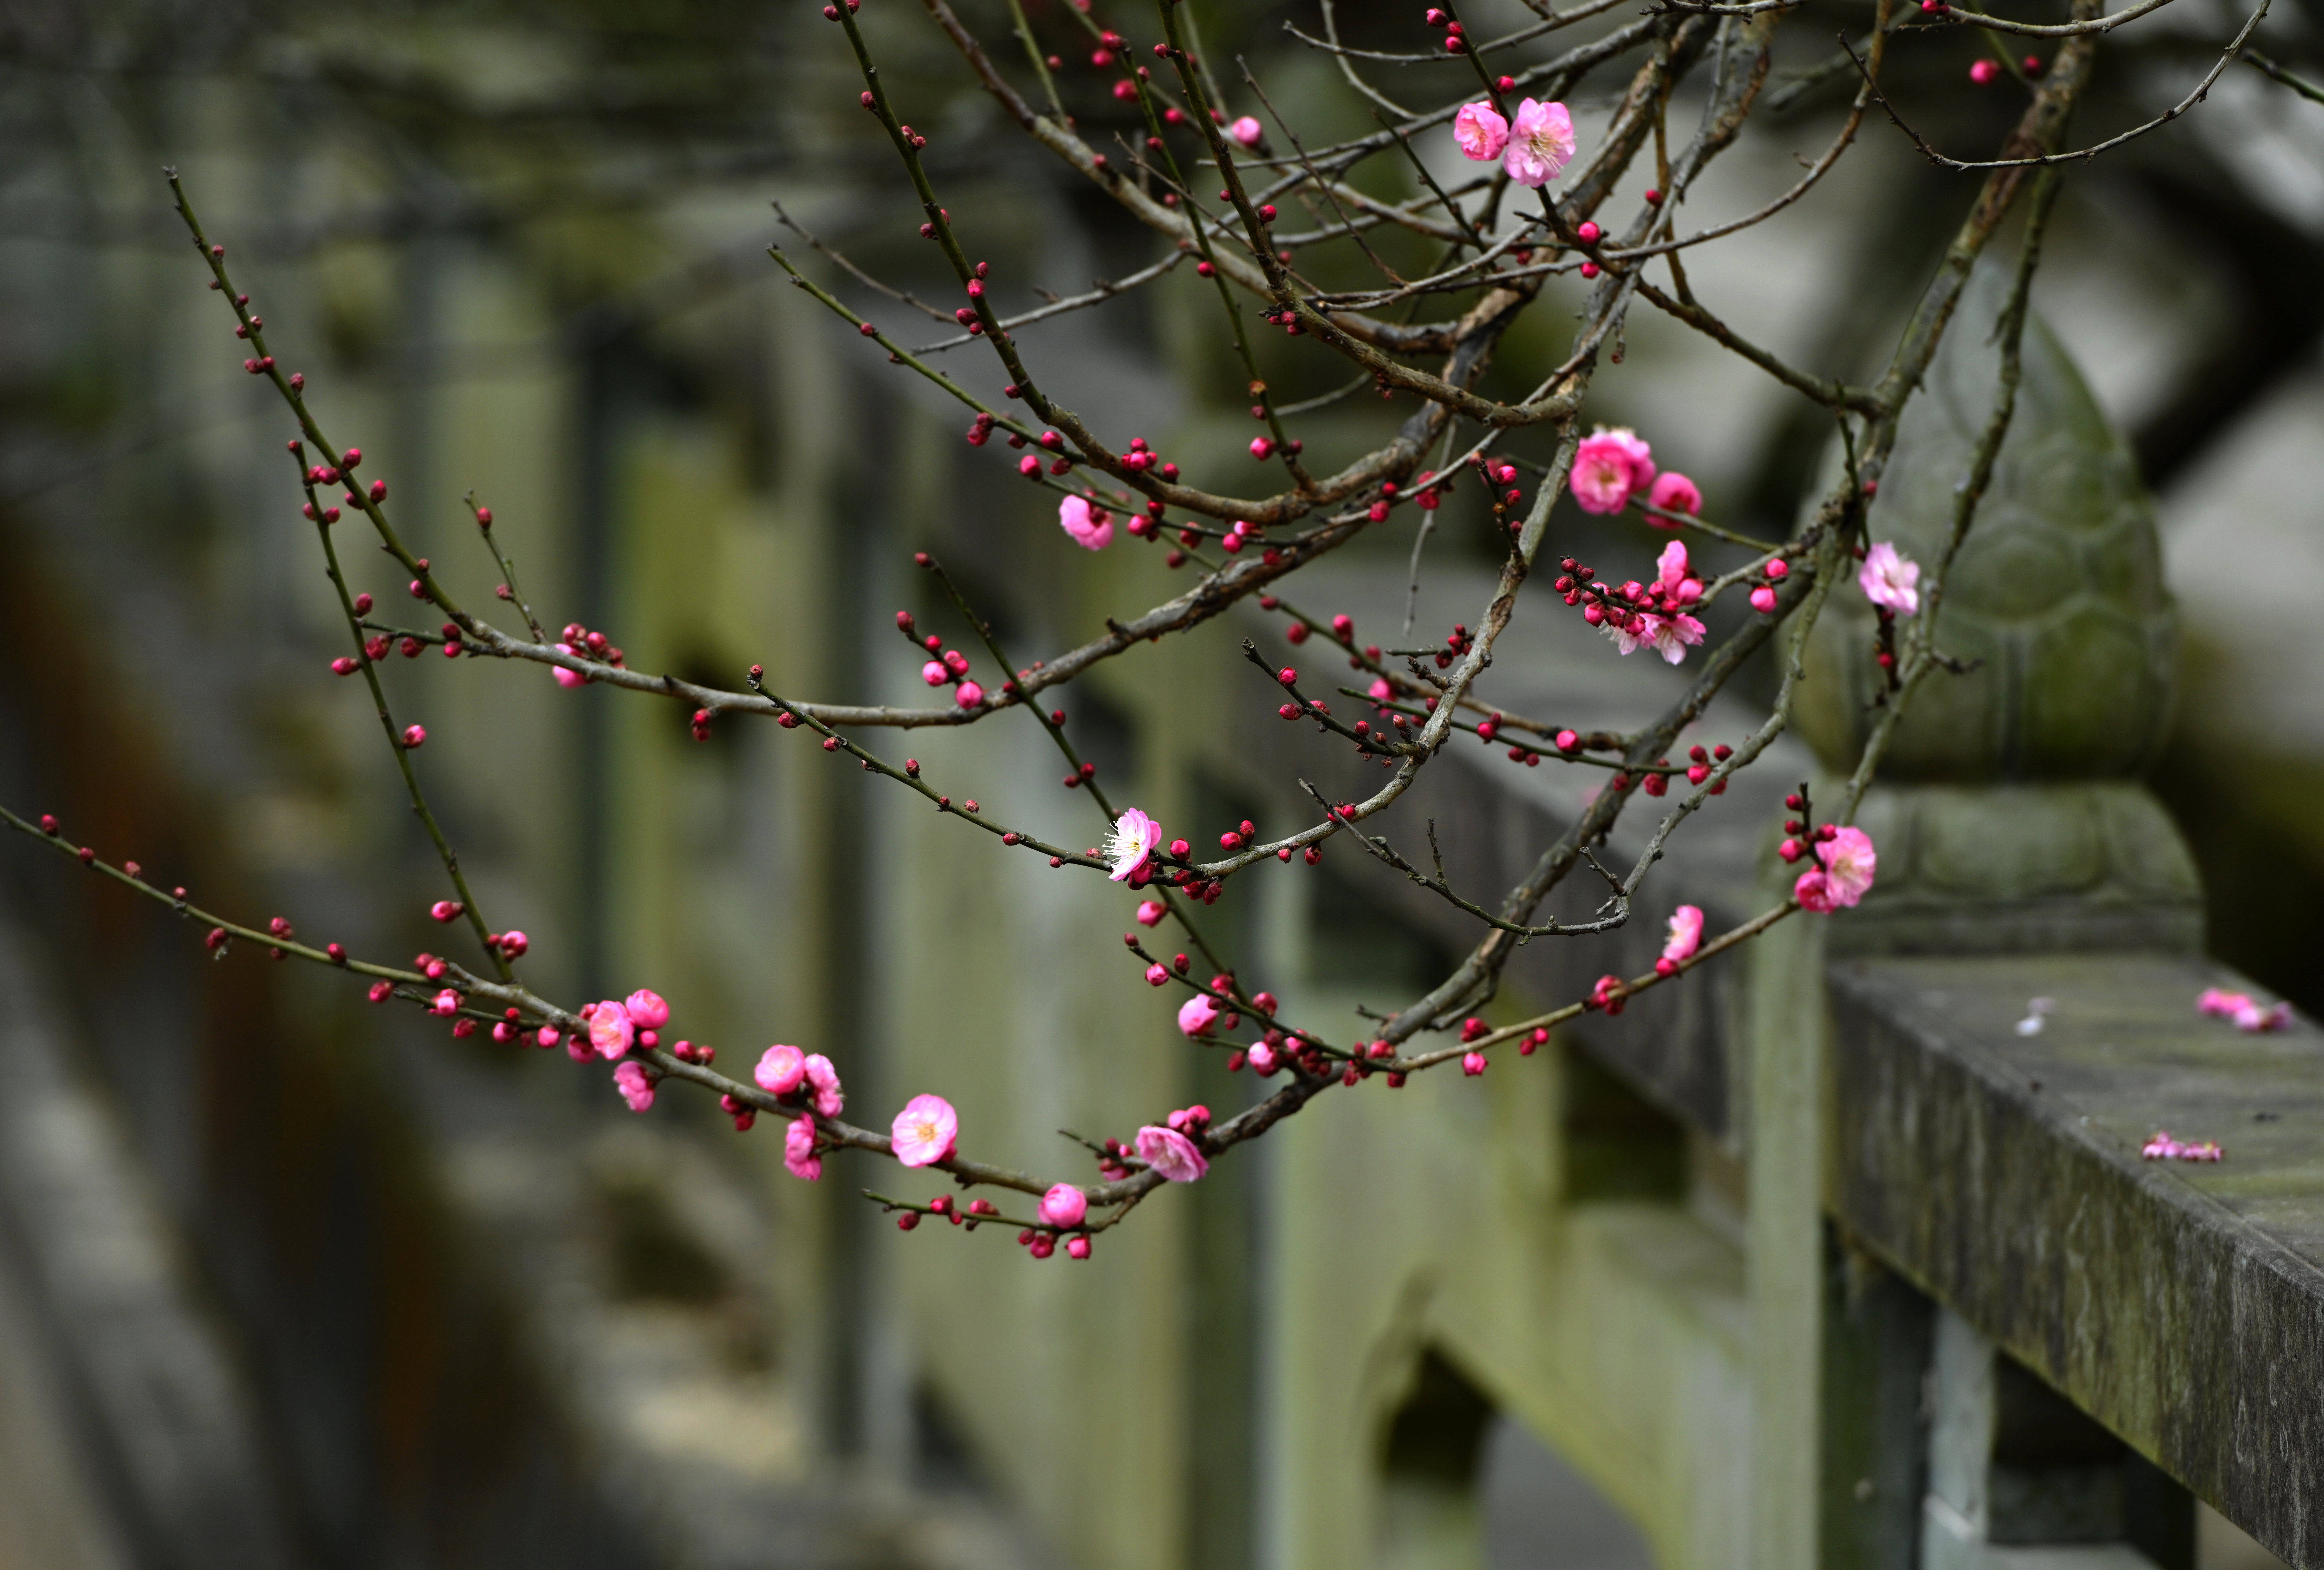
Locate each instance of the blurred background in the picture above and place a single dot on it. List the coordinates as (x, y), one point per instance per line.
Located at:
(287, 1280)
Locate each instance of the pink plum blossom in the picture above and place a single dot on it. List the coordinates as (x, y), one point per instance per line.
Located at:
(1381, 690)
(968, 694)
(1151, 912)
(2163, 1147)
(1132, 840)
(1813, 891)
(781, 1070)
(568, 678)
(1849, 866)
(1091, 528)
(1247, 131)
(1480, 131)
(2245, 1011)
(1607, 465)
(1685, 934)
(1197, 1014)
(611, 1030)
(1063, 1205)
(1675, 578)
(829, 1101)
(1263, 1059)
(1541, 141)
(926, 1131)
(1674, 492)
(2256, 1020)
(935, 674)
(1171, 1153)
(636, 1088)
(1851, 863)
(798, 1149)
(646, 1009)
(1889, 580)
(1671, 636)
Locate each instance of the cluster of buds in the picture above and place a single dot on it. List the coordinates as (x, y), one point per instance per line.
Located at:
(1457, 642)
(1472, 1029)
(1763, 593)
(1455, 39)
(1242, 532)
(945, 667)
(1501, 485)
(1611, 994)
(1798, 840)
(1141, 457)
(1700, 762)
(979, 430)
(577, 639)
(1628, 607)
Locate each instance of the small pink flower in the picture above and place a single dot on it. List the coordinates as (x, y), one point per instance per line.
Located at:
(1674, 492)
(1889, 580)
(2225, 1005)
(447, 1004)
(781, 1070)
(629, 1079)
(1380, 689)
(2161, 1147)
(1197, 1014)
(568, 678)
(1671, 572)
(1247, 131)
(2256, 1020)
(1151, 912)
(2208, 1150)
(1671, 636)
(1813, 891)
(968, 694)
(646, 1009)
(798, 1149)
(829, 1099)
(1171, 1153)
(1063, 1205)
(611, 1029)
(1541, 141)
(1849, 863)
(1762, 600)
(1091, 528)
(1130, 842)
(1263, 1059)
(1480, 131)
(1607, 465)
(1685, 933)
(935, 674)
(926, 1131)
